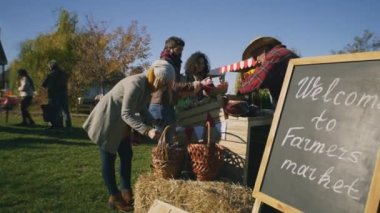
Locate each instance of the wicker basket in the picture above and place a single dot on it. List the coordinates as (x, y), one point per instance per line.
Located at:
(167, 159)
(206, 157)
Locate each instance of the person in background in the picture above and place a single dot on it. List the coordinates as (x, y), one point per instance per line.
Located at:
(272, 59)
(26, 89)
(58, 99)
(162, 105)
(197, 67)
(109, 125)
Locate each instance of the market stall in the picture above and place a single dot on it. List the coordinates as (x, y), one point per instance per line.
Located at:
(225, 133)
(243, 134)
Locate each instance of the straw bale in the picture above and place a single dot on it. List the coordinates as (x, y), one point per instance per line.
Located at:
(192, 196)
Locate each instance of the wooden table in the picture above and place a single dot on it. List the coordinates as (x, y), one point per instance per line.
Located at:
(246, 137)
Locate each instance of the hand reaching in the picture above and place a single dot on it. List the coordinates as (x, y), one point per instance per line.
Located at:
(197, 86)
(154, 134)
(207, 85)
(206, 82)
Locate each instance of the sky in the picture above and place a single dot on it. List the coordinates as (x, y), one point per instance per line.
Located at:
(219, 28)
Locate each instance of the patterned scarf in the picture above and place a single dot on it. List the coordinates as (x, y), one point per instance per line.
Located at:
(173, 60)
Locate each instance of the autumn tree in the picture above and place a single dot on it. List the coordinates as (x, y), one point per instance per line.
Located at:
(91, 56)
(367, 42)
(106, 57)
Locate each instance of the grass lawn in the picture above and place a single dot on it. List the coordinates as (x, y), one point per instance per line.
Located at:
(44, 171)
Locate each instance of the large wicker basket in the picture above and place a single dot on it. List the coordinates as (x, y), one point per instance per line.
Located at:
(167, 159)
(206, 157)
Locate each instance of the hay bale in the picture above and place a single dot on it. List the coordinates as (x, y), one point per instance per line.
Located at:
(192, 196)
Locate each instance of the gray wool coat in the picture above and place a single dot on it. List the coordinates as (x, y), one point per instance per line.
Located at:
(125, 105)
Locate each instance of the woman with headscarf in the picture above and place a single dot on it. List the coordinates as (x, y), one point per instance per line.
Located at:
(112, 119)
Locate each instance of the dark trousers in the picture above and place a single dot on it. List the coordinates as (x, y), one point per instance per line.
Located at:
(125, 167)
(25, 103)
(60, 104)
(66, 112)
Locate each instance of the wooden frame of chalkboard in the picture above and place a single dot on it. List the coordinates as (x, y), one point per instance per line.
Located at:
(322, 152)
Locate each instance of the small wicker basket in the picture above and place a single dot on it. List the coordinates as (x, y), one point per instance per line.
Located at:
(167, 159)
(206, 157)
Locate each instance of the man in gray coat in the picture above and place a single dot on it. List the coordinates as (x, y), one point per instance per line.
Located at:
(123, 108)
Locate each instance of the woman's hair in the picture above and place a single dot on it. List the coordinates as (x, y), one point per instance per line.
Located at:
(22, 72)
(193, 60)
(173, 42)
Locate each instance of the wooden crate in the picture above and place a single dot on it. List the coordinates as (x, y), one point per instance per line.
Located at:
(160, 206)
(197, 115)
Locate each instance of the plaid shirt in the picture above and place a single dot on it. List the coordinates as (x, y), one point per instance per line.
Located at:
(270, 74)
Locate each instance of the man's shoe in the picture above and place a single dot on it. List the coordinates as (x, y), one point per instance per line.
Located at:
(127, 196)
(117, 202)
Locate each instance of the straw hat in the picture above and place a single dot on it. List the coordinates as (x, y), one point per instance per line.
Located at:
(257, 44)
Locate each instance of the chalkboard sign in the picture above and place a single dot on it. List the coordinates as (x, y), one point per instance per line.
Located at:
(323, 149)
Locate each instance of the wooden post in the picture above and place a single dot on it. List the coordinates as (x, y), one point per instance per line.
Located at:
(256, 206)
(6, 114)
(3, 77)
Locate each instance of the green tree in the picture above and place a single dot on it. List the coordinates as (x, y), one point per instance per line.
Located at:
(35, 53)
(367, 42)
